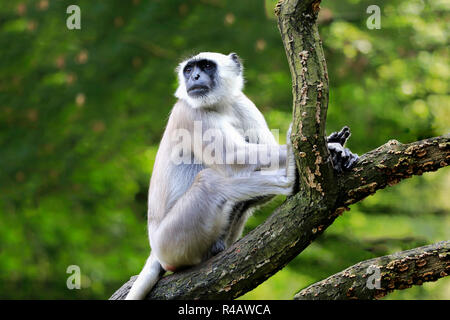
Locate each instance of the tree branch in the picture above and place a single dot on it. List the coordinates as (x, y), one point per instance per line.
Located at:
(322, 194)
(292, 227)
(391, 163)
(300, 35)
(397, 271)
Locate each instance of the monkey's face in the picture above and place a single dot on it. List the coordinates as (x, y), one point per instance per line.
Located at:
(199, 76)
(209, 78)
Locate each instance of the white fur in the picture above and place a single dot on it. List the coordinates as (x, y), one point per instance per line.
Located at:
(231, 81)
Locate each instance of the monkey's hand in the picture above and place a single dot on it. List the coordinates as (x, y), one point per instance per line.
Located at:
(342, 158)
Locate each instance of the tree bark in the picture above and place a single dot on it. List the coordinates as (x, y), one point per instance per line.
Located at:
(291, 228)
(391, 163)
(322, 193)
(398, 271)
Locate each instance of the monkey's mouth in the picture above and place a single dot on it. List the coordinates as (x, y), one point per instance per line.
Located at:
(198, 90)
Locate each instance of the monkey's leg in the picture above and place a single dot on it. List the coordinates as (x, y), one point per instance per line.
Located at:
(238, 223)
(245, 209)
(193, 223)
(200, 216)
(222, 241)
(241, 212)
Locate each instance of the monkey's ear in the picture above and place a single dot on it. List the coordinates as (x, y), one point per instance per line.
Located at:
(233, 56)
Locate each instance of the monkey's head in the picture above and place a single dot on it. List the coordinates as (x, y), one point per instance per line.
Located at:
(209, 78)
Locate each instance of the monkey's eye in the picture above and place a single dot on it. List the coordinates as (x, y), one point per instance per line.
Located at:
(208, 66)
(188, 69)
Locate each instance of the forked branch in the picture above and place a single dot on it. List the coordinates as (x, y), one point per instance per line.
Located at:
(323, 194)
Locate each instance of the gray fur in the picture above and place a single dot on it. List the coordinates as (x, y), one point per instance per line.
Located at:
(197, 210)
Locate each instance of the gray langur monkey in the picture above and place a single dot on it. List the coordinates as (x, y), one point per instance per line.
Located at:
(204, 188)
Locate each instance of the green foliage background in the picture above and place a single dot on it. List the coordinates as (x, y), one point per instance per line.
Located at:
(82, 112)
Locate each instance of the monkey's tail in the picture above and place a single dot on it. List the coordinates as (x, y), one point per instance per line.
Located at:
(148, 277)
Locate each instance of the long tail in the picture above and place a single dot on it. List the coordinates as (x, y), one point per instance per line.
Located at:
(148, 277)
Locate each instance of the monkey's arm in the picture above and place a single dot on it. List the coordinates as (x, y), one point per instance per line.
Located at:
(270, 157)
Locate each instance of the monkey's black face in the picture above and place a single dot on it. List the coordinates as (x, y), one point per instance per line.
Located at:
(200, 77)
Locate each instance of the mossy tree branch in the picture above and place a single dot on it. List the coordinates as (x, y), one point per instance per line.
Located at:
(322, 194)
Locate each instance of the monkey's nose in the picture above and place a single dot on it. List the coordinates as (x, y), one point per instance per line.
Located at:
(197, 76)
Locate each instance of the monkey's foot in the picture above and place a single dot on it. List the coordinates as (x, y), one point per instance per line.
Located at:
(340, 137)
(217, 247)
(342, 158)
